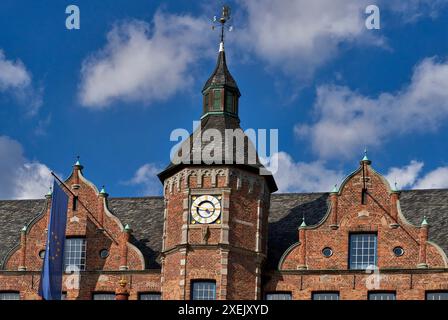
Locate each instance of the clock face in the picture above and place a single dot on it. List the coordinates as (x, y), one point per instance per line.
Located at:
(205, 209)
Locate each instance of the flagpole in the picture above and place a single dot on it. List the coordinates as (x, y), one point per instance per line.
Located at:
(82, 204)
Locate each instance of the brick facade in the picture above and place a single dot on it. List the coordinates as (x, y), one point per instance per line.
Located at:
(304, 269)
(233, 252)
(230, 253)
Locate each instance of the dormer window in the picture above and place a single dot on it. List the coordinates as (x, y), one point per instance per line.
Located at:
(216, 100)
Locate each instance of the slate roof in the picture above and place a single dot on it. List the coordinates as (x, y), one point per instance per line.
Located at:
(245, 157)
(145, 216)
(221, 75)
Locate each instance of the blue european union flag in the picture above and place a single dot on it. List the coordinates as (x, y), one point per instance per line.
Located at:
(50, 287)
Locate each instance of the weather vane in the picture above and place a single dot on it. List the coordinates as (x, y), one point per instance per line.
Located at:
(223, 21)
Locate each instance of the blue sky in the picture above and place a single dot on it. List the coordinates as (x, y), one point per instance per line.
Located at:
(113, 90)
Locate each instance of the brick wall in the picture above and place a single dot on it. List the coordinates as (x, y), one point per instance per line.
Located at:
(379, 214)
(229, 252)
(90, 226)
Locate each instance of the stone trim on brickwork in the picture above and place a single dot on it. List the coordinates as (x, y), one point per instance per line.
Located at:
(440, 250)
(28, 228)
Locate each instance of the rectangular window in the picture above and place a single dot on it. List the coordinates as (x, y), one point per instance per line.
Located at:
(326, 296)
(75, 254)
(149, 296)
(279, 296)
(104, 296)
(216, 100)
(229, 102)
(441, 295)
(9, 296)
(363, 251)
(203, 290)
(206, 102)
(382, 296)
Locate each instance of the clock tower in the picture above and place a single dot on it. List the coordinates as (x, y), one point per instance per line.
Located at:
(217, 197)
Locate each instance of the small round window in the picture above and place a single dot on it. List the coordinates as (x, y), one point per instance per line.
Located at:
(398, 251)
(104, 253)
(42, 254)
(327, 252)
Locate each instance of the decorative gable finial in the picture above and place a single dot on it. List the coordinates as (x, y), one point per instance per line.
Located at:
(303, 225)
(395, 187)
(335, 189)
(365, 155)
(425, 222)
(103, 192)
(78, 163)
(49, 193)
(365, 159)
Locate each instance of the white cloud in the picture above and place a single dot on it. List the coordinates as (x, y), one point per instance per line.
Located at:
(406, 176)
(347, 121)
(146, 177)
(412, 10)
(21, 178)
(294, 176)
(435, 179)
(13, 74)
(317, 177)
(143, 63)
(16, 80)
(300, 35)
(410, 177)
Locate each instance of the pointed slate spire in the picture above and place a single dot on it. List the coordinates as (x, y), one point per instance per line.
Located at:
(221, 92)
(221, 75)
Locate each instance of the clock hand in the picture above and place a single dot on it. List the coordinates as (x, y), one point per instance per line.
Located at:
(202, 208)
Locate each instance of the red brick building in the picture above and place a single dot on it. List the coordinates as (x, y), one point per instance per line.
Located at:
(220, 231)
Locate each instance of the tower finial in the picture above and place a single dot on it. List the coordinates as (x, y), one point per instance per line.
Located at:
(223, 21)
